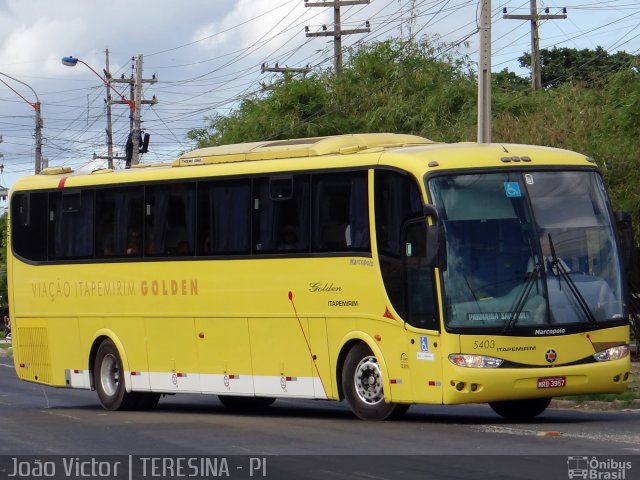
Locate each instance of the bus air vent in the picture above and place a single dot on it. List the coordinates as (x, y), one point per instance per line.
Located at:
(298, 148)
(56, 170)
(33, 354)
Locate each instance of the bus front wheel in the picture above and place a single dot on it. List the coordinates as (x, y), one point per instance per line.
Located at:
(520, 409)
(362, 384)
(108, 376)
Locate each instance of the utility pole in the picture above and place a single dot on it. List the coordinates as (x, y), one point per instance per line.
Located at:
(36, 107)
(534, 18)
(110, 157)
(135, 84)
(337, 30)
(484, 74)
(107, 74)
(264, 68)
(135, 133)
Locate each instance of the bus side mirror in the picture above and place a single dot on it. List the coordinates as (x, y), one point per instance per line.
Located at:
(436, 244)
(425, 242)
(428, 210)
(436, 255)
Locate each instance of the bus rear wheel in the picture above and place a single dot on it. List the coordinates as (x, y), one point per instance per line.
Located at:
(520, 409)
(108, 376)
(362, 384)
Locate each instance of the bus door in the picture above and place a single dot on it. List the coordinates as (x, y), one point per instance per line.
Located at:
(421, 315)
(224, 355)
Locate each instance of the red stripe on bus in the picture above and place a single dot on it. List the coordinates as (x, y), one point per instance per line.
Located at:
(62, 182)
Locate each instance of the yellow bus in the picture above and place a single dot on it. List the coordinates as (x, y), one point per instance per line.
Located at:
(384, 269)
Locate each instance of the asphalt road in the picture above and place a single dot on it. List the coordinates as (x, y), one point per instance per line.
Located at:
(310, 439)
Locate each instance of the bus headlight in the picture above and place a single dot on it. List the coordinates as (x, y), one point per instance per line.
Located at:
(474, 361)
(613, 353)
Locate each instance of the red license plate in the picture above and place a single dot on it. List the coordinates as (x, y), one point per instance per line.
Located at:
(552, 382)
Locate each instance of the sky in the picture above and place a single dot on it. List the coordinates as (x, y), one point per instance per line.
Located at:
(206, 55)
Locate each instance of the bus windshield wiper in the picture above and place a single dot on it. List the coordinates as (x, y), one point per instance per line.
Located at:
(520, 302)
(563, 274)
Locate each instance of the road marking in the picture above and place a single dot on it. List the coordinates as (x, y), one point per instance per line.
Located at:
(51, 412)
(5, 365)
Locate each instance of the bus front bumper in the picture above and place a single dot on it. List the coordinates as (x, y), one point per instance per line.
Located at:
(481, 385)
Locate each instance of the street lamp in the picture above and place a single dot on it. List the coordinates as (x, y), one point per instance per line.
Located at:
(36, 107)
(71, 61)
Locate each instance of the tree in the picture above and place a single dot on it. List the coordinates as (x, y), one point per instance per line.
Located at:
(509, 81)
(391, 86)
(590, 67)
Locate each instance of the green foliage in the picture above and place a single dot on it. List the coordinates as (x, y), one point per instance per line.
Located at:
(569, 65)
(391, 86)
(509, 81)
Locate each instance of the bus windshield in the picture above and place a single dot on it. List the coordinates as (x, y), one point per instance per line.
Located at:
(528, 250)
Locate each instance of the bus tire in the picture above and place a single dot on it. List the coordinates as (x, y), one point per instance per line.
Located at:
(520, 409)
(237, 402)
(362, 384)
(109, 380)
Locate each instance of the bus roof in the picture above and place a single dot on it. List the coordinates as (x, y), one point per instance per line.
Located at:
(301, 147)
(409, 152)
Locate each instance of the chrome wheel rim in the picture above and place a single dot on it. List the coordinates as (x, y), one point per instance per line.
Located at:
(368, 381)
(109, 374)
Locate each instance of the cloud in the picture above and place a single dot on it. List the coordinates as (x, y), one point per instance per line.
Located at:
(251, 22)
(27, 48)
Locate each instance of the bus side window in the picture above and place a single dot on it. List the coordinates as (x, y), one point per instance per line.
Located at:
(29, 225)
(71, 221)
(170, 220)
(118, 219)
(340, 212)
(224, 217)
(281, 221)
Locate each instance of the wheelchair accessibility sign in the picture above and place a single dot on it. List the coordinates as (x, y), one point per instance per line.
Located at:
(424, 353)
(512, 189)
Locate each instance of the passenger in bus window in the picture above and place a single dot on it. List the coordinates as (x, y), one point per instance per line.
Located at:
(133, 246)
